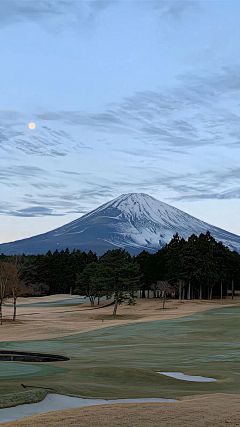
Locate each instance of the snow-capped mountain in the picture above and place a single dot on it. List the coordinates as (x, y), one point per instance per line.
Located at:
(132, 221)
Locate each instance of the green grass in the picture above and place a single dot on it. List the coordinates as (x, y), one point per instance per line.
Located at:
(121, 361)
(18, 369)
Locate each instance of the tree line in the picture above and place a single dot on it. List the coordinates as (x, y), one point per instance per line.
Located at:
(200, 268)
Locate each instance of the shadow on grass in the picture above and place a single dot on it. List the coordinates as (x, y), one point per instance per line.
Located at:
(117, 317)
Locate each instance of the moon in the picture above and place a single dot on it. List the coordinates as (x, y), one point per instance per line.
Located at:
(31, 126)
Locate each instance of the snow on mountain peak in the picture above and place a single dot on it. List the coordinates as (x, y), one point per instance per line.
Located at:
(133, 221)
(144, 221)
(138, 204)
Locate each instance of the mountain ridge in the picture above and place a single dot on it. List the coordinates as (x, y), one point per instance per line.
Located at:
(134, 221)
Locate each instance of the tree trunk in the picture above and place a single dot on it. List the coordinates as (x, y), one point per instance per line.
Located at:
(232, 288)
(143, 293)
(189, 291)
(98, 302)
(211, 293)
(14, 308)
(200, 292)
(115, 307)
(208, 293)
(71, 290)
(164, 299)
(183, 294)
(180, 291)
(221, 291)
(0, 311)
(148, 293)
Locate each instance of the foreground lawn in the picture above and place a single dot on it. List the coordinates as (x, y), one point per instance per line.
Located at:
(121, 361)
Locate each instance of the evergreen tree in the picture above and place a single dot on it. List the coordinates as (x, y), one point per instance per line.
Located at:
(172, 257)
(145, 260)
(120, 274)
(88, 282)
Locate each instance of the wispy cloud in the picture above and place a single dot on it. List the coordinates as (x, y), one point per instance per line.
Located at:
(24, 172)
(210, 185)
(50, 14)
(190, 187)
(34, 176)
(175, 9)
(34, 211)
(45, 141)
(56, 14)
(200, 110)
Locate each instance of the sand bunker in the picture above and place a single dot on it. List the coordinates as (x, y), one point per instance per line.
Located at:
(55, 402)
(183, 377)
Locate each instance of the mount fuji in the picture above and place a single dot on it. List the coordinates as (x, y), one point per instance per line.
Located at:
(135, 222)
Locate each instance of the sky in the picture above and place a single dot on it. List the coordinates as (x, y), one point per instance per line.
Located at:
(127, 96)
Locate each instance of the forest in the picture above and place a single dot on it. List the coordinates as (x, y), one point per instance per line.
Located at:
(199, 268)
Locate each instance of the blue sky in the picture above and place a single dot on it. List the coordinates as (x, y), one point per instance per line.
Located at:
(127, 97)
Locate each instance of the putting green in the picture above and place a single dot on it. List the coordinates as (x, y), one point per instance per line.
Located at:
(123, 361)
(11, 370)
(15, 369)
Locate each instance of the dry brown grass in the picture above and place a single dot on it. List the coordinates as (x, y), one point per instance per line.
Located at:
(38, 323)
(219, 410)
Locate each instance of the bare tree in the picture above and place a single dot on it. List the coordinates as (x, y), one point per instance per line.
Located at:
(17, 288)
(6, 270)
(3, 284)
(10, 286)
(164, 288)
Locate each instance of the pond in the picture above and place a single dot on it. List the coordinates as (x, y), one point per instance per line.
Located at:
(183, 377)
(55, 402)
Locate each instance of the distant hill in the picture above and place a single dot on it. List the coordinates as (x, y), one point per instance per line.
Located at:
(132, 221)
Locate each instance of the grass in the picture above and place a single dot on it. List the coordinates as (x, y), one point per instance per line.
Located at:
(20, 398)
(121, 361)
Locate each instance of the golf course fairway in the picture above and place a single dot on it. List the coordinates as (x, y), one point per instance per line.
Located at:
(122, 362)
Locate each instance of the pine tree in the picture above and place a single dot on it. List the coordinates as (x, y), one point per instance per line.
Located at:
(121, 275)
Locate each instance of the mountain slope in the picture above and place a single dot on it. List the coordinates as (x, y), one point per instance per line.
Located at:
(132, 221)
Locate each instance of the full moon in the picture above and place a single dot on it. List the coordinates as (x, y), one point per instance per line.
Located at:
(32, 126)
